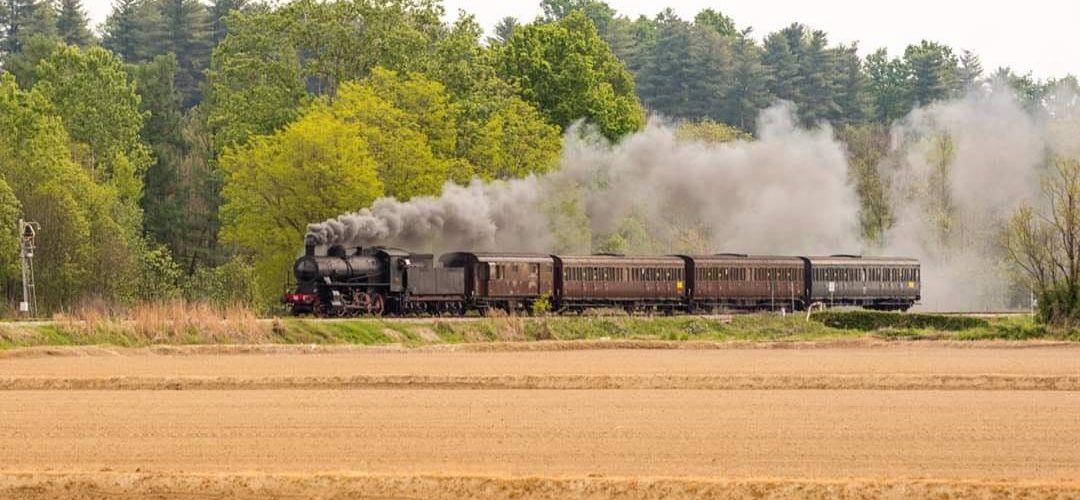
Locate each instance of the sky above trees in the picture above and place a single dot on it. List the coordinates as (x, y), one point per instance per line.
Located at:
(1034, 38)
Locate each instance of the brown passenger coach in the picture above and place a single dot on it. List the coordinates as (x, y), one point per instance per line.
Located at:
(746, 282)
(620, 281)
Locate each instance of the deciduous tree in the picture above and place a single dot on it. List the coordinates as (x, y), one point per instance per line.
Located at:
(568, 72)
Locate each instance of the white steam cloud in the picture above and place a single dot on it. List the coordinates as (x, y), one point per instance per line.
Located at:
(787, 192)
(955, 172)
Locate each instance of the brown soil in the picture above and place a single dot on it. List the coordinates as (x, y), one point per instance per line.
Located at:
(545, 424)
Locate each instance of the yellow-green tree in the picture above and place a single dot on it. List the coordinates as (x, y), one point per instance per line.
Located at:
(710, 132)
(317, 167)
(410, 162)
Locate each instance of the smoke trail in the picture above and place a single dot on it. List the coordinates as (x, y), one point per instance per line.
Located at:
(787, 192)
(955, 172)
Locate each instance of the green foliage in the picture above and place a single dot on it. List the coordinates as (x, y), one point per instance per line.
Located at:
(889, 87)
(10, 212)
(805, 72)
(160, 275)
(710, 132)
(568, 72)
(89, 88)
(131, 29)
(232, 283)
(316, 168)
(542, 305)
(219, 11)
(1059, 305)
(21, 20)
(396, 35)
(83, 248)
(869, 321)
(567, 221)
(71, 24)
(504, 137)
(867, 145)
(408, 124)
(164, 193)
(600, 13)
(22, 65)
(504, 29)
(631, 236)
(185, 32)
(255, 80)
(934, 72)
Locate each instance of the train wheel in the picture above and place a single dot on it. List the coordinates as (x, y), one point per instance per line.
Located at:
(378, 304)
(355, 305)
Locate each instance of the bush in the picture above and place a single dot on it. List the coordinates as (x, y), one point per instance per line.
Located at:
(871, 320)
(230, 284)
(1059, 307)
(542, 305)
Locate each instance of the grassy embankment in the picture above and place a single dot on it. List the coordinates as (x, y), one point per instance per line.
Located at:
(185, 324)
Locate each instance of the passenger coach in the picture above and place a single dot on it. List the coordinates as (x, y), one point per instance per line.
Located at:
(884, 283)
(736, 281)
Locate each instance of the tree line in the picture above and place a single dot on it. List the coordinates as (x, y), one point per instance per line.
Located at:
(180, 149)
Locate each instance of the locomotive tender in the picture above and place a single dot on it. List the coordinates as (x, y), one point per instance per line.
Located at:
(390, 281)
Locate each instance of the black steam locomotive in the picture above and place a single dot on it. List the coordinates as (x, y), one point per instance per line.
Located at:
(389, 281)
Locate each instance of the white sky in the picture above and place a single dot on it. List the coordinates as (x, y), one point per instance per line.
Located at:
(1035, 35)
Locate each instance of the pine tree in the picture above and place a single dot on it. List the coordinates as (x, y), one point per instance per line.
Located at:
(750, 93)
(71, 25)
(783, 63)
(851, 97)
(187, 34)
(889, 86)
(934, 72)
(164, 193)
(711, 73)
(817, 77)
(219, 10)
(22, 19)
(504, 29)
(663, 83)
(970, 69)
(133, 30)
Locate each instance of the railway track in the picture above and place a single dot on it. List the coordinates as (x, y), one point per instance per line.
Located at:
(727, 317)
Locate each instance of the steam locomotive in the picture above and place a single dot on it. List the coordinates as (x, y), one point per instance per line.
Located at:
(390, 281)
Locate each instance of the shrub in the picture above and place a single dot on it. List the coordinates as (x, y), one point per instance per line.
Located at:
(871, 320)
(542, 305)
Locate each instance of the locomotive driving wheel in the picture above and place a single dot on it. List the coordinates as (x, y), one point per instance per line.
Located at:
(361, 303)
(324, 310)
(377, 305)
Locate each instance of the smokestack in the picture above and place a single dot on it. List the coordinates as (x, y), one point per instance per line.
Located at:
(309, 246)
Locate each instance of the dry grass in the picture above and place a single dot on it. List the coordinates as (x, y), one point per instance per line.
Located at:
(167, 322)
(508, 328)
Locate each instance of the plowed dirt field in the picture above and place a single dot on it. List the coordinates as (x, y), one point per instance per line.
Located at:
(825, 421)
